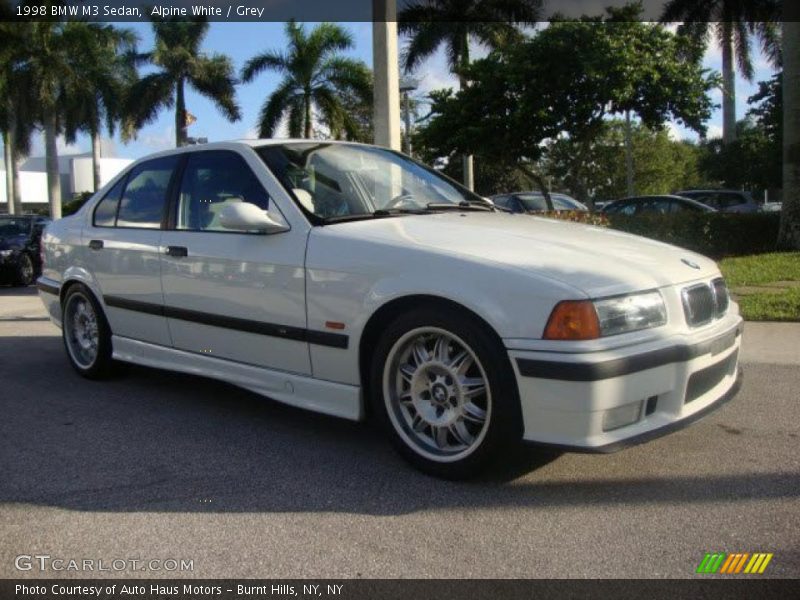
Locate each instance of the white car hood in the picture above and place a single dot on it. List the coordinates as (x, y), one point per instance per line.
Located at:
(596, 260)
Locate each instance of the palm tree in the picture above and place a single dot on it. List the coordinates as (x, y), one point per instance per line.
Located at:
(177, 53)
(104, 56)
(454, 23)
(789, 237)
(47, 78)
(316, 76)
(734, 23)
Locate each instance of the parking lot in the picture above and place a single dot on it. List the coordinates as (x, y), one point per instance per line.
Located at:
(158, 465)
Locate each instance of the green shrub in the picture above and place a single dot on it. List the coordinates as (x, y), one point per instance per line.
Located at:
(74, 205)
(714, 234)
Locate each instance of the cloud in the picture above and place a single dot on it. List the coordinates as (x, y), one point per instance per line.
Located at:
(161, 140)
(714, 131)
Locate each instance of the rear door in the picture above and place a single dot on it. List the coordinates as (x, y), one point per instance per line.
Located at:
(235, 295)
(122, 250)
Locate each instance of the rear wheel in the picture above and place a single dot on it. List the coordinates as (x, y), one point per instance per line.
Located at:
(86, 334)
(444, 390)
(24, 273)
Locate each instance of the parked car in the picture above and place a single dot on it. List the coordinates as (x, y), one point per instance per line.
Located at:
(735, 201)
(351, 280)
(533, 202)
(20, 238)
(654, 205)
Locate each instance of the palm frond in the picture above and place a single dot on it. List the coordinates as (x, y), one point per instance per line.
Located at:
(274, 108)
(148, 96)
(741, 46)
(271, 59)
(213, 78)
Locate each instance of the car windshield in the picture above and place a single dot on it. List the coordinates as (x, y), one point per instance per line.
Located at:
(337, 182)
(10, 226)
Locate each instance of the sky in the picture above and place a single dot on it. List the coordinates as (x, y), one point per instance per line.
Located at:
(242, 41)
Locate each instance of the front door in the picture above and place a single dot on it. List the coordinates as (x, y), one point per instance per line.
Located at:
(235, 295)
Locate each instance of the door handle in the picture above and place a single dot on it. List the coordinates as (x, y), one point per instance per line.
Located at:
(177, 251)
(96, 244)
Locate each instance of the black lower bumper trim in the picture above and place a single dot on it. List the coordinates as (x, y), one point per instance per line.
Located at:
(655, 433)
(571, 371)
(47, 288)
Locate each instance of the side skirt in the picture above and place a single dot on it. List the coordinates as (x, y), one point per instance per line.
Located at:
(337, 399)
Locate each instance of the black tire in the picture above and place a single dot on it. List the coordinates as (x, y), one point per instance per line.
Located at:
(24, 272)
(100, 365)
(503, 423)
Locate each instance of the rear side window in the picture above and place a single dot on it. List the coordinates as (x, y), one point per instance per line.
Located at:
(105, 215)
(142, 202)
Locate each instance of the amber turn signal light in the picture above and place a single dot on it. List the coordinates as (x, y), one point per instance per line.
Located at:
(573, 320)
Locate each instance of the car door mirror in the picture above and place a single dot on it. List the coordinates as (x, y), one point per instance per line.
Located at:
(244, 216)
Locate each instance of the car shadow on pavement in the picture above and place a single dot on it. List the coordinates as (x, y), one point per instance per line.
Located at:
(150, 440)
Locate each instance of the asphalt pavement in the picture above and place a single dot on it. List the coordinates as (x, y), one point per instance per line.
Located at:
(154, 465)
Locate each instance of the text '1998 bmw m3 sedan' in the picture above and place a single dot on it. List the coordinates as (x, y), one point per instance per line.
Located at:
(351, 280)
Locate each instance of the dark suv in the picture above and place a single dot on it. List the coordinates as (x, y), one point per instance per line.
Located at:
(20, 240)
(735, 201)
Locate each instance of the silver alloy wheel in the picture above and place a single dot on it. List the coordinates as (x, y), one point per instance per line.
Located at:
(80, 330)
(437, 394)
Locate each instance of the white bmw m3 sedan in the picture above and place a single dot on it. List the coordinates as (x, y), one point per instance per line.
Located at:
(352, 280)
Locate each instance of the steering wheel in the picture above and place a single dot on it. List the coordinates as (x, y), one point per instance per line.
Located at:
(401, 199)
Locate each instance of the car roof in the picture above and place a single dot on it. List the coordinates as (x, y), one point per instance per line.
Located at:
(667, 197)
(710, 190)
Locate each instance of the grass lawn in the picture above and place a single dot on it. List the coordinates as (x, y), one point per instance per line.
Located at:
(766, 286)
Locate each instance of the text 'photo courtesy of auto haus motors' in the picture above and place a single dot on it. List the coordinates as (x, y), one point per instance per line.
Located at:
(354, 281)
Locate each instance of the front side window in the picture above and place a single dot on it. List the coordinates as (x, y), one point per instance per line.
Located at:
(342, 181)
(213, 180)
(533, 202)
(142, 202)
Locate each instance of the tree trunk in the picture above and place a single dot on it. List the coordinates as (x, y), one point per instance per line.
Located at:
(468, 163)
(15, 177)
(307, 114)
(51, 160)
(728, 86)
(789, 236)
(13, 142)
(180, 115)
(96, 155)
(8, 157)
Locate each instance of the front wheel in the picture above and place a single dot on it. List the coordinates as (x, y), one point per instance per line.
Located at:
(24, 272)
(445, 390)
(86, 334)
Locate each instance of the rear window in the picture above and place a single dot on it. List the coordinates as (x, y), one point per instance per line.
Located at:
(142, 202)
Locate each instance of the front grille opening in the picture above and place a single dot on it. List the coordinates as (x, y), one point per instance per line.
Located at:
(699, 305)
(702, 303)
(650, 406)
(721, 296)
(703, 381)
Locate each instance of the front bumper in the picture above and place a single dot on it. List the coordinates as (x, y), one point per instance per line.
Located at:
(566, 397)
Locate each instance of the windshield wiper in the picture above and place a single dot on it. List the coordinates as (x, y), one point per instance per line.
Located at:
(463, 205)
(381, 212)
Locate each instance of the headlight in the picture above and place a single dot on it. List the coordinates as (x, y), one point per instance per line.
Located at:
(591, 319)
(630, 313)
(6, 253)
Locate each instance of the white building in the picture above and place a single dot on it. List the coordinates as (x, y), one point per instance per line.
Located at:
(76, 177)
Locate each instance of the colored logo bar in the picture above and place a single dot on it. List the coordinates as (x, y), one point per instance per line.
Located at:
(734, 563)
